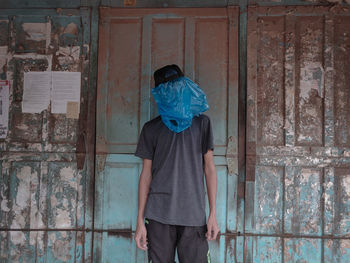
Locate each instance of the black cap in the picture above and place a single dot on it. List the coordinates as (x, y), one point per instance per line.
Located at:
(167, 73)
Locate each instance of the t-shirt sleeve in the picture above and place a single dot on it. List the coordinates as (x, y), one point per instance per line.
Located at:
(145, 149)
(207, 136)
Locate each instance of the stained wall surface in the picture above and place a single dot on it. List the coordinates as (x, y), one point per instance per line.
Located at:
(133, 44)
(298, 155)
(282, 139)
(44, 174)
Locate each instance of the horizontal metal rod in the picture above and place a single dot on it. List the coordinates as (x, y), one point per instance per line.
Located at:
(128, 231)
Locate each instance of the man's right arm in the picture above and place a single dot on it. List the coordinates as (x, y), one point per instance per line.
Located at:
(144, 184)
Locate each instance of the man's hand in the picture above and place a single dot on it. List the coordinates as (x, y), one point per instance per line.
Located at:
(141, 236)
(213, 228)
(144, 183)
(211, 180)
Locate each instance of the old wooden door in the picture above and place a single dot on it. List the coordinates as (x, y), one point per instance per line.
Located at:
(133, 43)
(298, 139)
(44, 178)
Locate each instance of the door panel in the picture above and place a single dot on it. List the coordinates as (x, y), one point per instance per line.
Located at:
(167, 47)
(116, 197)
(211, 60)
(45, 160)
(133, 44)
(122, 102)
(297, 135)
(112, 247)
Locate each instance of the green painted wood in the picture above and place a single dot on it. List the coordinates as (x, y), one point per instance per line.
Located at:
(332, 253)
(177, 3)
(90, 136)
(334, 178)
(133, 44)
(61, 246)
(263, 249)
(296, 199)
(43, 192)
(39, 4)
(206, 3)
(289, 3)
(153, 3)
(117, 247)
(116, 195)
(241, 136)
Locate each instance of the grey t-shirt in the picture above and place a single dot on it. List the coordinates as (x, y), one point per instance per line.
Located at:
(176, 194)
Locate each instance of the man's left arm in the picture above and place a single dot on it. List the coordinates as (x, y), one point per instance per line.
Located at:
(211, 181)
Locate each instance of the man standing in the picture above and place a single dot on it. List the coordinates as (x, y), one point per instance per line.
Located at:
(177, 151)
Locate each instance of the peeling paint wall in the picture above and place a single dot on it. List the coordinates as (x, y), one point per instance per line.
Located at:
(298, 165)
(296, 207)
(43, 211)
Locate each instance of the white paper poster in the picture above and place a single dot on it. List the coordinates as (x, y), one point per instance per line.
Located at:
(4, 107)
(36, 91)
(65, 88)
(60, 87)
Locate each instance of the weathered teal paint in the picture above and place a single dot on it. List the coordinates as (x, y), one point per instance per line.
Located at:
(90, 137)
(182, 36)
(242, 114)
(43, 191)
(43, 151)
(110, 214)
(297, 167)
(31, 5)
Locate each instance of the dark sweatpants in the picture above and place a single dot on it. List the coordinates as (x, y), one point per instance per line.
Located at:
(190, 241)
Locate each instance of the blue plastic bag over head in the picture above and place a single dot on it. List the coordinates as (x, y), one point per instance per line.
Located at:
(178, 101)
